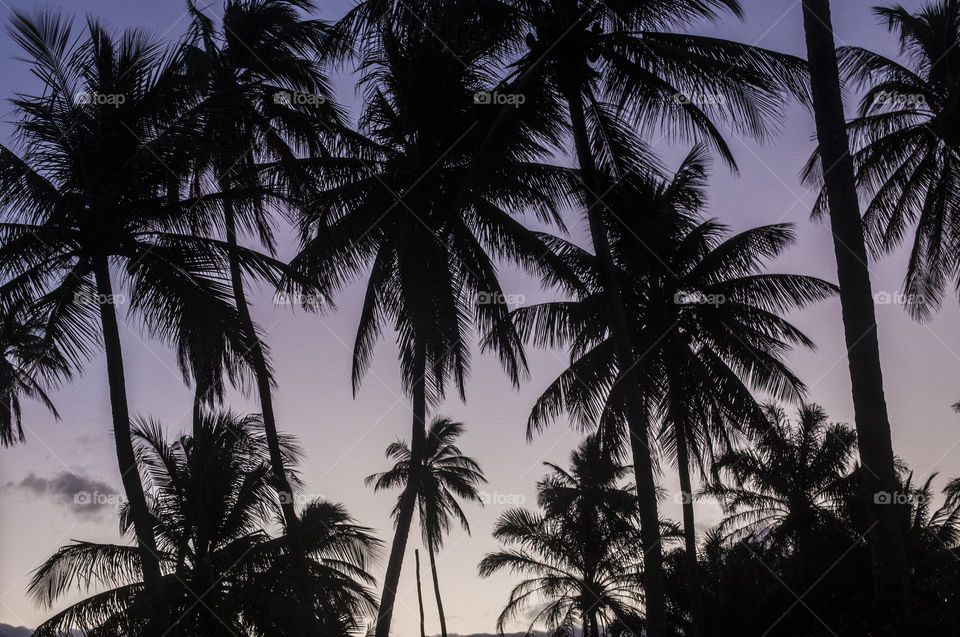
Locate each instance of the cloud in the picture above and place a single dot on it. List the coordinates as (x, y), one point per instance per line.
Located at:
(85, 496)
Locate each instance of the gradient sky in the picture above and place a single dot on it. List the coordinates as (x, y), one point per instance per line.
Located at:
(343, 437)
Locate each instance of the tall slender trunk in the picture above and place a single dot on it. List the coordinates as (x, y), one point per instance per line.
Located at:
(126, 457)
(887, 521)
(436, 588)
(265, 392)
(198, 399)
(261, 372)
(202, 579)
(416, 554)
(636, 408)
(690, 535)
(408, 501)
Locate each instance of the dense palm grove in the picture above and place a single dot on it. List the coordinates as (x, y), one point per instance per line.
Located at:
(158, 172)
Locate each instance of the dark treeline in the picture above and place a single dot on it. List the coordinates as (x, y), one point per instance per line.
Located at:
(149, 177)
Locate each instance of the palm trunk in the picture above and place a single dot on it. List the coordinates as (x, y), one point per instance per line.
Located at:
(636, 408)
(197, 413)
(888, 521)
(261, 373)
(408, 500)
(265, 393)
(126, 457)
(202, 580)
(690, 536)
(436, 589)
(416, 554)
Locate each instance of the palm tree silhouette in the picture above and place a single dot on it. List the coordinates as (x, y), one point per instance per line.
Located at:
(708, 326)
(95, 189)
(224, 575)
(265, 103)
(446, 476)
(789, 483)
(906, 145)
(582, 555)
(29, 365)
(886, 538)
(603, 62)
(394, 208)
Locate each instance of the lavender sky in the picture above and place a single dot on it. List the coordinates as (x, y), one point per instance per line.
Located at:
(343, 437)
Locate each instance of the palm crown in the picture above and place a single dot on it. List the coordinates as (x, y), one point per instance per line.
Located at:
(627, 55)
(448, 476)
(426, 209)
(582, 557)
(211, 497)
(29, 365)
(698, 302)
(792, 479)
(906, 142)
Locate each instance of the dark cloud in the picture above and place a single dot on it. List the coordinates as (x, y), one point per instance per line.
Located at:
(85, 496)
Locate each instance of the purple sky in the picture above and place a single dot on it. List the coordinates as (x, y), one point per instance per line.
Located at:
(343, 437)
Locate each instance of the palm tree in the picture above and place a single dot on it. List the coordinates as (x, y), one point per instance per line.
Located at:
(582, 556)
(788, 485)
(708, 321)
(933, 545)
(446, 476)
(393, 209)
(416, 556)
(599, 62)
(906, 148)
(932, 529)
(886, 538)
(75, 205)
(265, 103)
(94, 189)
(225, 575)
(29, 365)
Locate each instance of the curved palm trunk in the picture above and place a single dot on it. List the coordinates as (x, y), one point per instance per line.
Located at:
(636, 408)
(126, 457)
(262, 374)
(198, 399)
(416, 554)
(436, 590)
(408, 500)
(888, 522)
(202, 581)
(265, 393)
(690, 536)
